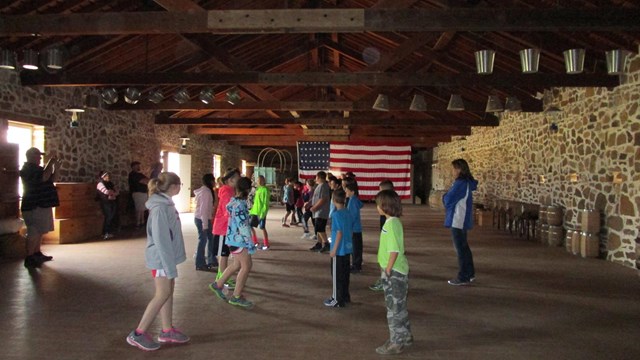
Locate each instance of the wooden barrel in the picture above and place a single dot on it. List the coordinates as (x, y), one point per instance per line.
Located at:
(554, 215)
(575, 243)
(556, 235)
(589, 245)
(542, 214)
(589, 220)
(568, 242)
(544, 234)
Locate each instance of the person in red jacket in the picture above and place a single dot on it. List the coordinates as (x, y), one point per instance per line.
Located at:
(221, 220)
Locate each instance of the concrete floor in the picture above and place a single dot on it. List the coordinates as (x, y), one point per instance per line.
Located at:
(529, 302)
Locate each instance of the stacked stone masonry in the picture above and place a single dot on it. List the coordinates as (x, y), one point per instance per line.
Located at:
(592, 161)
(109, 140)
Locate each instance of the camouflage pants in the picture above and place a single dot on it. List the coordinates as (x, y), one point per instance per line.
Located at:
(395, 296)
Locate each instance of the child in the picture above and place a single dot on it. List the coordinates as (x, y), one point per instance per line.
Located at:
(353, 206)
(240, 245)
(384, 185)
(297, 194)
(164, 251)
(341, 248)
(205, 199)
(288, 200)
(221, 222)
(260, 209)
(395, 271)
(320, 209)
(307, 194)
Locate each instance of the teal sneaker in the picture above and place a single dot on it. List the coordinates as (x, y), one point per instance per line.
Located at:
(240, 301)
(230, 284)
(218, 291)
(377, 286)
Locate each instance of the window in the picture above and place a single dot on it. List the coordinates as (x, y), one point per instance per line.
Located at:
(217, 166)
(244, 167)
(26, 136)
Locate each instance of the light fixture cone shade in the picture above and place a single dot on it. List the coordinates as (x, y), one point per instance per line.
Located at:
(156, 96)
(110, 96)
(233, 96)
(529, 60)
(484, 61)
(54, 59)
(512, 104)
(616, 60)
(132, 95)
(382, 103)
(206, 96)
(455, 103)
(418, 103)
(7, 59)
(30, 59)
(574, 60)
(181, 96)
(494, 104)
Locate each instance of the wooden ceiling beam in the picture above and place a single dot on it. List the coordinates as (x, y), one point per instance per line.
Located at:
(441, 121)
(495, 80)
(528, 105)
(322, 20)
(277, 140)
(245, 131)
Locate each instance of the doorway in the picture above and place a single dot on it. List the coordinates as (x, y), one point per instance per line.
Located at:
(181, 165)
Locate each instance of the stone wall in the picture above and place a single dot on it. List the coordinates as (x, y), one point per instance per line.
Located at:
(592, 161)
(108, 140)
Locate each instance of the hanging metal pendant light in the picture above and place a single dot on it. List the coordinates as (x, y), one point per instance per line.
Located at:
(110, 96)
(455, 103)
(30, 59)
(418, 103)
(529, 60)
(382, 103)
(574, 60)
(233, 96)
(616, 60)
(75, 105)
(484, 61)
(512, 104)
(156, 96)
(132, 95)
(181, 96)
(494, 104)
(206, 95)
(54, 59)
(7, 59)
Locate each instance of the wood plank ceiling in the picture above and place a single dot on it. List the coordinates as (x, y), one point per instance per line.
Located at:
(306, 84)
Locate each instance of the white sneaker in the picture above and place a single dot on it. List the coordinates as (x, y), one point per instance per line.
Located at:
(265, 248)
(304, 236)
(329, 240)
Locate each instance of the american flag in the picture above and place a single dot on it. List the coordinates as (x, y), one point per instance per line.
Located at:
(370, 162)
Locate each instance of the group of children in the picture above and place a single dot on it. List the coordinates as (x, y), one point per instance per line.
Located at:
(233, 233)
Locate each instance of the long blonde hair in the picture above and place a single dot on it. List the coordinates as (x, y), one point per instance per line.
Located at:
(162, 182)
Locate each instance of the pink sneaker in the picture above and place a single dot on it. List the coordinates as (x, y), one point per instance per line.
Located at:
(173, 336)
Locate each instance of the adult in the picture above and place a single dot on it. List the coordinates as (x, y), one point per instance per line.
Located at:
(458, 202)
(38, 199)
(156, 169)
(320, 208)
(205, 198)
(221, 220)
(108, 196)
(138, 188)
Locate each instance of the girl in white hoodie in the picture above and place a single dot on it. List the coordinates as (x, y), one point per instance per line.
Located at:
(203, 219)
(165, 250)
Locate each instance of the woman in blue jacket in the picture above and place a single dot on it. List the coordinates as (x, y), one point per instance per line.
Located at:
(458, 203)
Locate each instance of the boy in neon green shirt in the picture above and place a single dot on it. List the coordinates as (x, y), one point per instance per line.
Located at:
(259, 210)
(395, 271)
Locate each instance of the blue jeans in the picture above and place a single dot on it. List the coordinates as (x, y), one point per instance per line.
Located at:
(205, 239)
(465, 258)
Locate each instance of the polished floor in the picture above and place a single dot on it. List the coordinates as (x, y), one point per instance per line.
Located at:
(529, 302)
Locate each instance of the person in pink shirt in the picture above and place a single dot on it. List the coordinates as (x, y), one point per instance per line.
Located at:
(221, 221)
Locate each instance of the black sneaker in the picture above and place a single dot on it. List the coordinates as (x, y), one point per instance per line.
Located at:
(457, 282)
(355, 270)
(42, 256)
(316, 247)
(325, 249)
(31, 262)
(208, 268)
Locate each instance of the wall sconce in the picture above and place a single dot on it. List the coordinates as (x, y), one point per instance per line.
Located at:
(184, 140)
(74, 119)
(574, 177)
(617, 177)
(542, 179)
(553, 128)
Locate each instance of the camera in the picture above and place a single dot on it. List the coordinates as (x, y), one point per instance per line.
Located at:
(74, 124)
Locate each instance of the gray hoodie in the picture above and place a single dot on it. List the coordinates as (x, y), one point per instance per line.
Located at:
(165, 245)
